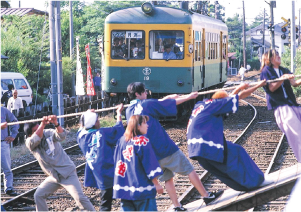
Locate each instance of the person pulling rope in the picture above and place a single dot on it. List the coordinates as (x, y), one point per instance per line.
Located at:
(125, 106)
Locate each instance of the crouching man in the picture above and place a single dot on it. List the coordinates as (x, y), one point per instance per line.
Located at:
(45, 145)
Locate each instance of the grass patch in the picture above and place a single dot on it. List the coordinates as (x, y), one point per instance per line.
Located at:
(107, 121)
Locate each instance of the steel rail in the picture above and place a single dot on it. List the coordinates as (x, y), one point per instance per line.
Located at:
(28, 166)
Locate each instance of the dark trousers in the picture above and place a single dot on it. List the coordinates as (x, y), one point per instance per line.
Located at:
(97, 88)
(238, 171)
(106, 197)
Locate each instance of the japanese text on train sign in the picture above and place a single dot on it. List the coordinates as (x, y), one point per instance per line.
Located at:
(133, 34)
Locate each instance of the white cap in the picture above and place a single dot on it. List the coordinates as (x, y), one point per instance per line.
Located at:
(90, 119)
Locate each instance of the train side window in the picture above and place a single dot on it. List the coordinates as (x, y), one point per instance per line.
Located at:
(224, 47)
(128, 44)
(166, 45)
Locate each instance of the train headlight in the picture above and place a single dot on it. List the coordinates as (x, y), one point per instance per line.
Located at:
(190, 48)
(113, 82)
(180, 83)
(147, 7)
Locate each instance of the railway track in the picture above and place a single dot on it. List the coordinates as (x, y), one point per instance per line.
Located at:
(266, 145)
(28, 176)
(260, 141)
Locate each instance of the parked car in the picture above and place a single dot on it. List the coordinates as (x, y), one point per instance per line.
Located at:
(20, 83)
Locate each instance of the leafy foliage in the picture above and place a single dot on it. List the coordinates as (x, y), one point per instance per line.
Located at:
(21, 41)
(259, 19)
(234, 25)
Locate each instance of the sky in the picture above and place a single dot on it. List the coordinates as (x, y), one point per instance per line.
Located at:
(252, 8)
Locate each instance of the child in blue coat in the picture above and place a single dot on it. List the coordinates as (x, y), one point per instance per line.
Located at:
(136, 168)
(98, 144)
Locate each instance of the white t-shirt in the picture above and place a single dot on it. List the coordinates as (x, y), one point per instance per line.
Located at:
(277, 71)
(242, 71)
(14, 104)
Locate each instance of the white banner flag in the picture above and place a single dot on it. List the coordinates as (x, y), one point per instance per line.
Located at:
(79, 72)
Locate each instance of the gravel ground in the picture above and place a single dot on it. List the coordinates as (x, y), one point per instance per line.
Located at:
(176, 130)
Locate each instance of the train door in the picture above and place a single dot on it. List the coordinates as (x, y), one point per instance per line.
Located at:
(220, 43)
(223, 57)
(197, 60)
(203, 57)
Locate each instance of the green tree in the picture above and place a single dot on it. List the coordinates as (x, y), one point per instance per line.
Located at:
(286, 62)
(22, 40)
(216, 10)
(234, 25)
(259, 19)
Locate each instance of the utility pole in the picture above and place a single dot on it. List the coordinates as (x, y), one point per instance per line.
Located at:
(293, 38)
(59, 62)
(52, 58)
(56, 60)
(263, 34)
(71, 48)
(272, 5)
(244, 35)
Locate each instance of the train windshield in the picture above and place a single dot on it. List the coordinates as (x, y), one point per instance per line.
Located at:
(128, 45)
(166, 45)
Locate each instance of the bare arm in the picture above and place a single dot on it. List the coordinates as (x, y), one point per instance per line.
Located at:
(171, 96)
(295, 83)
(275, 85)
(159, 188)
(245, 93)
(53, 119)
(41, 127)
(238, 88)
(184, 98)
(119, 110)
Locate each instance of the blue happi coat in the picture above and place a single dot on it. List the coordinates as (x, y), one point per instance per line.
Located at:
(162, 144)
(98, 147)
(205, 128)
(135, 167)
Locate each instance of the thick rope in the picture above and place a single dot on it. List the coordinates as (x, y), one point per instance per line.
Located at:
(125, 106)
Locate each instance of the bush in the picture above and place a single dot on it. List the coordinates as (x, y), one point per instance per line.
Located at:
(254, 63)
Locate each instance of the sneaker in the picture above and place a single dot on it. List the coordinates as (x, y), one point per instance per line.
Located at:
(11, 192)
(212, 196)
(181, 208)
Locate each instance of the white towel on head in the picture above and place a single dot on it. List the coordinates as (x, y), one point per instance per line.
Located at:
(90, 119)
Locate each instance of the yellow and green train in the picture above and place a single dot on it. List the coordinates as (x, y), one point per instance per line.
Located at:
(170, 50)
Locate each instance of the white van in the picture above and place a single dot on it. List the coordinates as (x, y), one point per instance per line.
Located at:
(20, 83)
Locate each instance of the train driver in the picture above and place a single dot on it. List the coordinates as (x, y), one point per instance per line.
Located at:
(168, 54)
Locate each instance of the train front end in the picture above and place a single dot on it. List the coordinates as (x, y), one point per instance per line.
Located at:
(153, 47)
